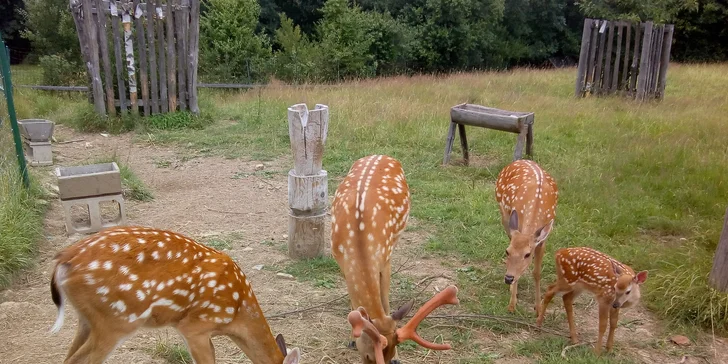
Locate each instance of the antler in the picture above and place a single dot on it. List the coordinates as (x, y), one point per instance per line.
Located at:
(408, 331)
(359, 324)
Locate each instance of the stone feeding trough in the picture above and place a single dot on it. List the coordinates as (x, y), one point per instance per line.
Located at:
(90, 185)
(37, 135)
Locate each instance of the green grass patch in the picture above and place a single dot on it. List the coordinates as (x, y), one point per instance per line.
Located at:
(21, 212)
(132, 186)
(172, 353)
(548, 350)
(224, 241)
(322, 272)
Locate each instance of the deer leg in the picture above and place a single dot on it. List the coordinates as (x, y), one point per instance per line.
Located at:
(538, 258)
(82, 334)
(514, 299)
(603, 316)
(547, 297)
(97, 347)
(613, 320)
(568, 299)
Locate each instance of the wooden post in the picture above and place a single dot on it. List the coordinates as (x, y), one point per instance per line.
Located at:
(666, 48)
(142, 44)
(118, 59)
(635, 60)
(192, 57)
(625, 70)
(75, 6)
(583, 55)
(171, 57)
(181, 24)
(162, 54)
(127, 10)
(592, 56)
(719, 273)
(102, 23)
(151, 6)
(644, 62)
(597, 83)
(607, 83)
(93, 67)
(307, 181)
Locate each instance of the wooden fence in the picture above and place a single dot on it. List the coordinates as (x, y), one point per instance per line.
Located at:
(635, 67)
(161, 45)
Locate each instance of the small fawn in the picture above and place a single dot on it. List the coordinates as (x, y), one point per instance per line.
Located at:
(614, 284)
(369, 212)
(125, 278)
(527, 198)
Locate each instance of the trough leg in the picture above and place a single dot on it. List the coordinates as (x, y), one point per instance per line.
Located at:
(464, 143)
(448, 143)
(529, 141)
(519, 144)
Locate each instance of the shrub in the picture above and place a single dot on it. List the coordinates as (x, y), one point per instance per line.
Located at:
(59, 71)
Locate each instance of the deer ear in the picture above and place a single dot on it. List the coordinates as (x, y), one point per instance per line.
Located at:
(282, 344)
(294, 357)
(513, 222)
(543, 233)
(616, 268)
(403, 311)
(641, 277)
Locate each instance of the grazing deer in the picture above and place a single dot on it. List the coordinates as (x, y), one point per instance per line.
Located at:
(122, 279)
(369, 212)
(527, 197)
(614, 284)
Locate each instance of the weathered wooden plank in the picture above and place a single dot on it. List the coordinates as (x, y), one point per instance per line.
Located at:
(142, 46)
(634, 73)
(583, 54)
(592, 56)
(171, 59)
(449, 140)
(645, 62)
(180, 22)
(162, 53)
(617, 58)
(719, 273)
(665, 60)
(607, 83)
(597, 85)
(464, 116)
(102, 24)
(94, 65)
(127, 9)
(464, 143)
(119, 59)
(625, 67)
(75, 6)
(151, 46)
(656, 61)
(193, 45)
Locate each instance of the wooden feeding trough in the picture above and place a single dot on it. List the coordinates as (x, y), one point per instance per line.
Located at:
(517, 122)
(89, 185)
(36, 134)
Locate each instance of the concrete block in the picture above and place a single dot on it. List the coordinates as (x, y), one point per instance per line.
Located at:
(38, 153)
(36, 130)
(94, 214)
(88, 180)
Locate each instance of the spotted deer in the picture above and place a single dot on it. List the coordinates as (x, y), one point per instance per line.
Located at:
(122, 279)
(527, 198)
(615, 286)
(369, 212)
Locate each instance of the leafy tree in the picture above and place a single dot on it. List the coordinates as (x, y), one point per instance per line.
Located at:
(702, 35)
(296, 59)
(230, 49)
(51, 30)
(636, 10)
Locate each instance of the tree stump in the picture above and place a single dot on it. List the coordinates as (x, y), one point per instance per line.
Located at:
(307, 181)
(719, 273)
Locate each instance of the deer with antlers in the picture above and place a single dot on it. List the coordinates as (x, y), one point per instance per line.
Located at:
(369, 212)
(615, 286)
(125, 278)
(527, 198)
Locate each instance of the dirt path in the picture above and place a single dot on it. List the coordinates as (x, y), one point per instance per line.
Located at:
(216, 198)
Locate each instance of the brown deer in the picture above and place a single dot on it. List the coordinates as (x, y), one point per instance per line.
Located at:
(614, 284)
(125, 278)
(527, 198)
(369, 212)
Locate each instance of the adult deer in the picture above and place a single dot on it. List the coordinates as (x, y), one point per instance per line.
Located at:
(527, 198)
(370, 210)
(614, 284)
(122, 279)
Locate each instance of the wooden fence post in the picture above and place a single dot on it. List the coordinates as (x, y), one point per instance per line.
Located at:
(644, 63)
(307, 181)
(664, 62)
(719, 273)
(583, 54)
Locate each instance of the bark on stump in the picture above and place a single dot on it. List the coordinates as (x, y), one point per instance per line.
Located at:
(719, 273)
(307, 181)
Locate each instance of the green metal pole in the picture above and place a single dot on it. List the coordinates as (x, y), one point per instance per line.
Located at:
(8, 85)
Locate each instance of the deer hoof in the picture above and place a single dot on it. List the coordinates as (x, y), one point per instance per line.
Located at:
(511, 308)
(395, 361)
(352, 345)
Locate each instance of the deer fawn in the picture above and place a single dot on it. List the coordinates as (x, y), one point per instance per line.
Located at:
(614, 284)
(125, 278)
(527, 197)
(370, 210)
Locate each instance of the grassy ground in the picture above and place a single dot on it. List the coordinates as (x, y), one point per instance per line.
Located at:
(21, 211)
(645, 183)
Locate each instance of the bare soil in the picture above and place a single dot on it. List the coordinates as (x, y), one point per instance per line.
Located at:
(206, 197)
